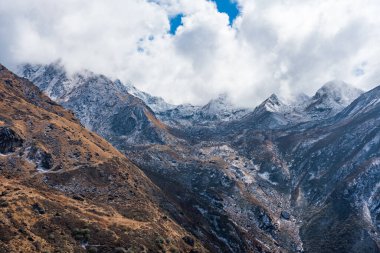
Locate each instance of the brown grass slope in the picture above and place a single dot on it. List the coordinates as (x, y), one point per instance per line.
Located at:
(65, 189)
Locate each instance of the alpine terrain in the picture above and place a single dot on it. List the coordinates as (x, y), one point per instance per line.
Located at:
(298, 176)
(65, 189)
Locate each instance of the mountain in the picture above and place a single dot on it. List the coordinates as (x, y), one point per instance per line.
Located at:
(215, 111)
(333, 97)
(298, 176)
(317, 180)
(165, 163)
(102, 105)
(90, 98)
(65, 189)
(362, 105)
(335, 177)
(156, 103)
(273, 113)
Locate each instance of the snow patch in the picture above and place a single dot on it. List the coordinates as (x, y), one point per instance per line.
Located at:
(266, 176)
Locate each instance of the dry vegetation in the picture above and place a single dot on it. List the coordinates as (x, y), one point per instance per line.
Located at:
(65, 189)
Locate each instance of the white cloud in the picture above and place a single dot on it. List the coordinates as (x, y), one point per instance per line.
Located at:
(273, 47)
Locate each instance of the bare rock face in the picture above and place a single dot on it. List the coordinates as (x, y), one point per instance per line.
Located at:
(9, 140)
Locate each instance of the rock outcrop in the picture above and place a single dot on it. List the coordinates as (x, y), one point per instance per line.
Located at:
(9, 140)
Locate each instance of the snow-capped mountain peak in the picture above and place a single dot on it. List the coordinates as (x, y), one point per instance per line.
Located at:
(221, 104)
(331, 99)
(272, 104)
(338, 91)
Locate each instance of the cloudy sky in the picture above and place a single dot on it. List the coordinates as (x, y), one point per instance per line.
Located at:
(193, 50)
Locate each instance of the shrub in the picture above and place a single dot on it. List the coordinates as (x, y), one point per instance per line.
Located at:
(92, 250)
(81, 234)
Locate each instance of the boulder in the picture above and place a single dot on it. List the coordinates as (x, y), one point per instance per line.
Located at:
(285, 215)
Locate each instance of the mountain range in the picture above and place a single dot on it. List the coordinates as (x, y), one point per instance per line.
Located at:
(299, 176)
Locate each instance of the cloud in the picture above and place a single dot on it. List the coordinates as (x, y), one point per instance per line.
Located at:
(277, 46)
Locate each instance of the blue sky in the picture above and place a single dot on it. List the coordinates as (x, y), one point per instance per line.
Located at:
(224, 6)
(175, 22)
(229, 7)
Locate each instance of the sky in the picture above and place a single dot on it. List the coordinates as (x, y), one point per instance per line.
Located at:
(191, 51)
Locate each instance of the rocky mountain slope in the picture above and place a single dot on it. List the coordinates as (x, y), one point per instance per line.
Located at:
(335, 179)
(284, 186)
(283, 177)
(65, 189)
(103, 105)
